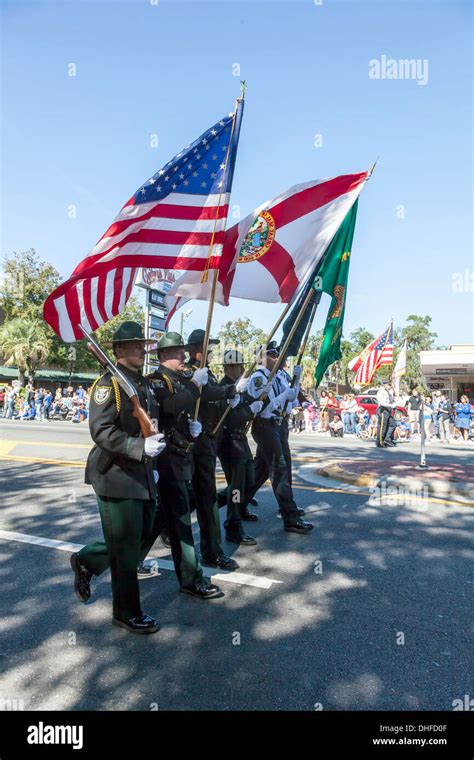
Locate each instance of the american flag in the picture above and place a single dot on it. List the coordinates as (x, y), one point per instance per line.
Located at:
(170, 222)
(377, 353)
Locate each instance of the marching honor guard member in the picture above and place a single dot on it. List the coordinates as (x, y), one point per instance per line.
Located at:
(234, 451)
(120, 469)
(213, 400)
(177, 392)
(385, 423)
(273, 458)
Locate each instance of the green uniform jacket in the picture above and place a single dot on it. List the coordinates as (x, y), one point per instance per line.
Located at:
(116, 466)
(177, 396)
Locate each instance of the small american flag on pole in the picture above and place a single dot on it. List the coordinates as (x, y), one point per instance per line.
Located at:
(377, 353)
(175, 220)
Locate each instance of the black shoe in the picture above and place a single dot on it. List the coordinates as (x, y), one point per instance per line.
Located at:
(249, 516)
(146, 571)
(165, 539)
(253, 502)
(82, 578)
(244, 540)
(203, 590)
(300, 527)
(390, 443)
(140, 624)
(301, 511)
(224, 562)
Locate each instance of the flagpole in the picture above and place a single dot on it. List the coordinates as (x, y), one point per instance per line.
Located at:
(249, 371)
(212, 299)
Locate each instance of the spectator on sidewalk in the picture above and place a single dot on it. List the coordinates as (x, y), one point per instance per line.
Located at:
(11, 398)
(414, 409)
(462, 420)
(336, 427)
(427, 416)
(307, 418)
(372, 429)
(80, 393)
(362, 423)
(38, 400)
(324, 414)
(345, 416)
(47, 401)
(352, 409)
(332, 405)
(3, 394)
(403, 430)
(444, 418)
(81, 413)
(435, 420)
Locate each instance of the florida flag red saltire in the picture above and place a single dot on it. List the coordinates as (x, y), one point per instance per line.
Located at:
(379, 352)
(269, 254)
(170, 222)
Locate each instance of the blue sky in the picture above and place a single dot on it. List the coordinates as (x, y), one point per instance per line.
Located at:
(167, 69)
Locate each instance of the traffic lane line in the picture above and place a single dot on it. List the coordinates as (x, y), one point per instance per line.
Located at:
(241, 579)
(221, 480)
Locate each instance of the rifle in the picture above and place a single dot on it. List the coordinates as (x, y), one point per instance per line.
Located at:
(147, 426)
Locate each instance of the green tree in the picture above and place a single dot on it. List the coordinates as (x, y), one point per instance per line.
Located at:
(24, 342)
(419, 337)
(26, 283)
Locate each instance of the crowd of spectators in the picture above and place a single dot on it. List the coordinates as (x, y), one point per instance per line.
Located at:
(43, 404)
(338, 416)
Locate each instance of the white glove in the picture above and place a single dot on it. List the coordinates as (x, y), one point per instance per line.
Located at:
(291, 394)
(201, 377)
(242, 384)
(256, 407)
(264, 389)
(234, 401)
(297, 370)
(195, 427)
(156, 477)
(154, 445)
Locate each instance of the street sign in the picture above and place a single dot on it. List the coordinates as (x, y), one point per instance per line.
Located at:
(156, 279)
(156, 299)
(157, 323)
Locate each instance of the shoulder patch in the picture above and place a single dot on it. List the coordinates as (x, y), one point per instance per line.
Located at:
(258, 382)
(158, 383)
(102, 393)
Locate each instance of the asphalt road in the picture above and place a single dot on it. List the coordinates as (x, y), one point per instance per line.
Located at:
(372, 611)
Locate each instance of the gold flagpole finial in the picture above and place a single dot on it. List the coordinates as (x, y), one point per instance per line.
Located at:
(372, 167)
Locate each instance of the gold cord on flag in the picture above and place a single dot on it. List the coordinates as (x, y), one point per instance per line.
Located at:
(205, 273)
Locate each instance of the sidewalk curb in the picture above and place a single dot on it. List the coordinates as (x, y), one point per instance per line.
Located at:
(463, 492)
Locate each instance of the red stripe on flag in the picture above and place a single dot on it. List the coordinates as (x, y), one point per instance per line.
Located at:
(118, 282)
(87, 298)
(281, 266)
(156, 237)
(314, 197)
(169, 211)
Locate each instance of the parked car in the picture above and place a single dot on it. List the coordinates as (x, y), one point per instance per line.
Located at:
(369, 403)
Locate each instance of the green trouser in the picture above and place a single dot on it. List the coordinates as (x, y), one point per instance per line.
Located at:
(205, 496)
(127, 525)
(175, 511)
(240, 476)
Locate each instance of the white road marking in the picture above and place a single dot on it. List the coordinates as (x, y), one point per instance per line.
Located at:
(241, 579)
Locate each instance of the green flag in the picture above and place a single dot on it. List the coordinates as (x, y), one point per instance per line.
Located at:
(332, 279)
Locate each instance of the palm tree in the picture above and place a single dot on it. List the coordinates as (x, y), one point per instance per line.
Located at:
(24, 342)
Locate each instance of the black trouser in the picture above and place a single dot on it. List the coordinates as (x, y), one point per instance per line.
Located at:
(127, 525)
(240, 476)
(385, 426)
(174, 513)
(273, 460)
(205, 495)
